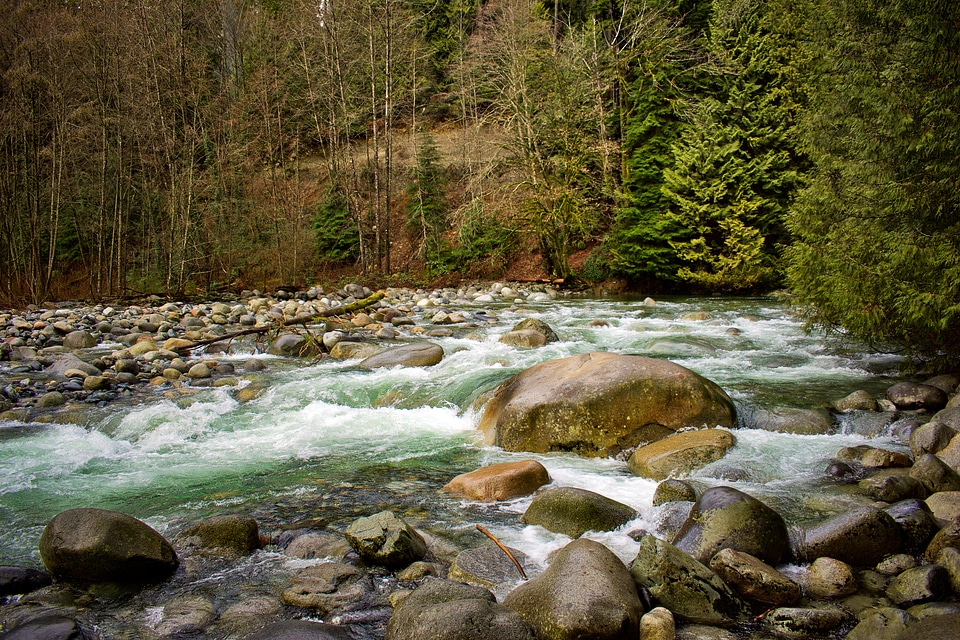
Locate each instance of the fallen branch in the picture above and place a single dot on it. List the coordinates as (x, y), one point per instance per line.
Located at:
(305, 320)
(517, 564)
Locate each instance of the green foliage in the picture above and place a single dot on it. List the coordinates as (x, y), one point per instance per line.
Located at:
(428, 214)
(483, 243)
(878, 225)
(334, 233)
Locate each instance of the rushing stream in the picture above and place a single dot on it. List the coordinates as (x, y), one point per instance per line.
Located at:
(330, 441)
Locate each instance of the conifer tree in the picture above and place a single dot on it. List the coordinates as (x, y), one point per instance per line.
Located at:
(878, 225)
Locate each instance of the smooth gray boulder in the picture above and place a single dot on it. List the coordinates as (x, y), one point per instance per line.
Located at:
(416, 354)
(50, 626)
(573, 511)
(680, 453)
(586, 592)
(97, 545)
(931, 437)
(726, 518)
(525, 338)
(683, 585)
(294, 345)
(598, 404)
(487, 566)
(673, 490)
(386, 539)
(541, 327)
(859, 537)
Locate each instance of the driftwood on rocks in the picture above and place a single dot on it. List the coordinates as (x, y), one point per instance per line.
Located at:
(301, 321)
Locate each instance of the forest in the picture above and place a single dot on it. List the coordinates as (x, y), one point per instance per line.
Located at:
(711, 146)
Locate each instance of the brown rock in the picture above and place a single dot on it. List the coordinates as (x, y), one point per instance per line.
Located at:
(680, 453)
(500, 481)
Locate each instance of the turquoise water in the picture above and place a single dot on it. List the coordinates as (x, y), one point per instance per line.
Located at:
(330, 441)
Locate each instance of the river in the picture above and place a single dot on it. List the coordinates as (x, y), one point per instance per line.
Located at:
(330, 441)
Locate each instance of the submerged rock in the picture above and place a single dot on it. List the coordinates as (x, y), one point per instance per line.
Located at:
(599, 404)
(416, 354)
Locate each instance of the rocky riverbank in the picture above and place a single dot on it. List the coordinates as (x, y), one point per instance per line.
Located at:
(722, 564)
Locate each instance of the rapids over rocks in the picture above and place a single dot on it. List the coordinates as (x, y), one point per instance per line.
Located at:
(322, 442)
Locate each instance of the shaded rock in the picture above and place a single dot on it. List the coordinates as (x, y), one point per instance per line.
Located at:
(916, 523)
(725, 518)
(599, 404)
(98, 545)
(680, 453)
(527, 338)
(947, 382)
(948, 536)
(229, 535)
(20, 580)
(883, 459)
(293, 345)
(913, 395)
(928, 609)
(918, 585)
(896, 564)
(188, 614)
(51, 399)
(385, 539)
(326, 587)
(585, 592)
(893, 485)
(829, 578)
(935, 474)
(684, 586)
(796, 622)
(79, 340)
(704, 632)
(302, 630)
(945, 627)
(573, 511)
(945, 506)
(754, 579)
(416, 354)
(792, 420)
(881, 623)
(312, 545)
(657, 624)
(949, 417)
(857, 401)
(673, 490)
(859, 537)
(949, 559)
(47, 627)
(421, 569)
(487, 567)
(250, 612)
(951, 452)
(541, 327)
(931, 437)
(448, 610)
(69, 361)
(503, 481)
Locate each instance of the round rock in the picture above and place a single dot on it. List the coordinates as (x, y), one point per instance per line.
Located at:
(503, 481)
(573, 512)
(385, 539)
(680, 453)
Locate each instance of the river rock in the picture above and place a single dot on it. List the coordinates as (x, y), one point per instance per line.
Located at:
(303, 630)
(416, 354)
(69, 361)
(919, 585)
(487, 566)
(293, 344)
(949, 559)
(448, 610)
(857, 401)
(352, 350)
(880, 623)
(599, 404)
(51, 399)
(586, 592)
(792, 420)
(680, 453)
(526, 338)
(914, 395)
(935, 474)
(949, 417)
(503, 481)
(725, 518)
(97, 545)
(946, 382)
(674, 490)
(945, 506)
(948, 536)
(945, 627)
(573, 511)
(79, 340)
(310, 545)
(46, 627)
(931, 437)
(829, 579)
(884, 459)
(20, 580)
(683, 585)
(658, 624)
(385, 539)
(804, 622)
(916, 523)
(859, 537)
(754, 579)
(188, 614)
(893, 485)
(541, 327)
(326, 587)
(230, 535)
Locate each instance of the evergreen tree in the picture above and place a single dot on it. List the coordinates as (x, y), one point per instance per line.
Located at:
(735, 168)
(427, 208)
(878, 225)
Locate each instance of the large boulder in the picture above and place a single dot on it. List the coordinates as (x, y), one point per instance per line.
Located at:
(599, 404)
(915, 395)
(573, 511)
(754, 579)
(586, 592)
(416, 354)
(683, 585)
(860, 537)
(97, 545)
(935, 474)
(916, 524)
(541, 327)
(932, 437)
(525, 338)
(448, 610)
(725, 518)
(385, 539)
(230, 535)
(920, 584)
(503, 481)
(680, 453)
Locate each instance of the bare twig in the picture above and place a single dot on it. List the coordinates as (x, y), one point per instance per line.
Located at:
(516, 563)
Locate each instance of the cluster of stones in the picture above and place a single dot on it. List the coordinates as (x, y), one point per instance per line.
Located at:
(52, 357)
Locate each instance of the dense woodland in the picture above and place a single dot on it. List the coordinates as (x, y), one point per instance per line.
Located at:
(724, 146)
